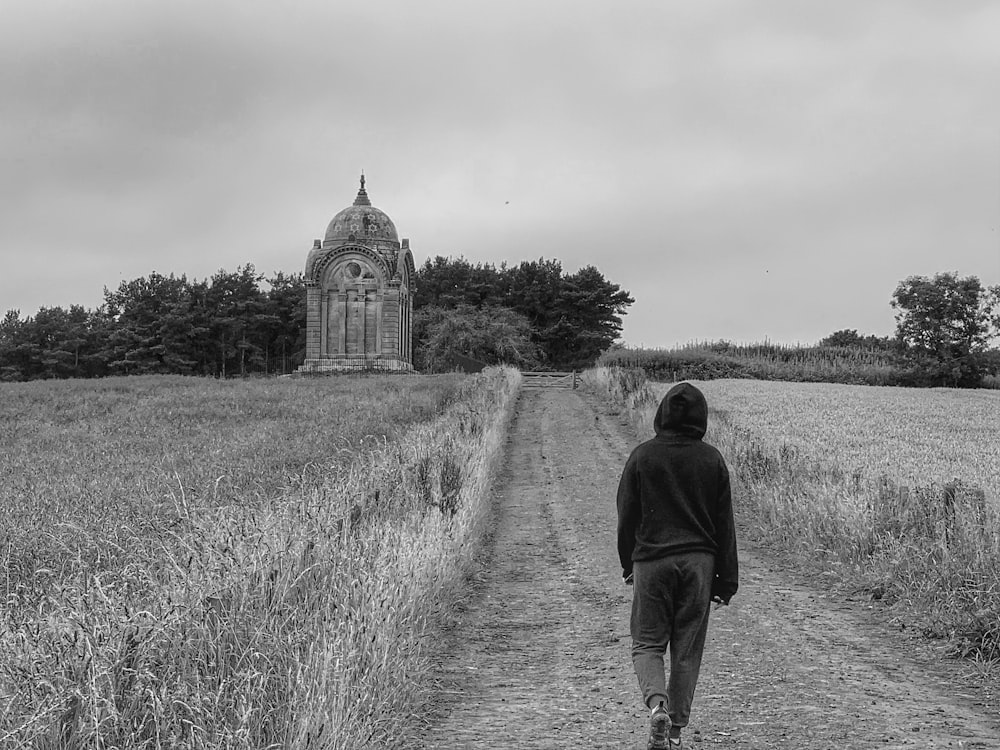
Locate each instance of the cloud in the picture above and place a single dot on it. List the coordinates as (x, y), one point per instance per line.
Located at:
(778, 165)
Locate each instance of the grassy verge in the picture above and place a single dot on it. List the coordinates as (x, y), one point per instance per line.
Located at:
(295, 613)
(892, 491)
(827, 364)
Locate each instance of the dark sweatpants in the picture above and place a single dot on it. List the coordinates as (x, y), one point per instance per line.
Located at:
(670, 606)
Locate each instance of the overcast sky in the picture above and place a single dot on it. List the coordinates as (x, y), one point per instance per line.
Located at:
(747, 170)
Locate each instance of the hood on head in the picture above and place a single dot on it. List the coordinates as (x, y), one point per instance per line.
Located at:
(684, 411)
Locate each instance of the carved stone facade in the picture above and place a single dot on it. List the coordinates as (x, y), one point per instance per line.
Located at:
(359, 287)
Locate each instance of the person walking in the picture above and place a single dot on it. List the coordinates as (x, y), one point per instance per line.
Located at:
(677, 544)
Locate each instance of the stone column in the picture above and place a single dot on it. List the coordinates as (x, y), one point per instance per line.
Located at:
(409, 329)
(314, 335)
(331, 332)
(341, 324)
(390, 321)
(379, 343)
(326, 300)
(370, 325)
(359, 318)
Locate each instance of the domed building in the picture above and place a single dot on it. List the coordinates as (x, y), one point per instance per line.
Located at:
(359, 286)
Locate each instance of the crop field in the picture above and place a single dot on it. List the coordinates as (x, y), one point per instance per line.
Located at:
(87, 465)
(708, 361)
(248, 564)
(913, 436)
(894, 491)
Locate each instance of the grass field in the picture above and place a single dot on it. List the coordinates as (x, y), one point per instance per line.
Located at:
(893, 490)
(250, 564)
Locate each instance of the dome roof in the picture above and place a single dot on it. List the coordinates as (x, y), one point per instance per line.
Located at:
(361, 222)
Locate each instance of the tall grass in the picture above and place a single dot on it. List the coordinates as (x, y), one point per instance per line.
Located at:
(88, 466)
(895, 490)
(296, 619)
(713, 360)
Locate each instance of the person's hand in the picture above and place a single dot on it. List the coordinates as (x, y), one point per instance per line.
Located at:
(629, 580)
(722, 592)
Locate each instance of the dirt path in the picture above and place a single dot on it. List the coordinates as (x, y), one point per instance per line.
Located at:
(542, 657)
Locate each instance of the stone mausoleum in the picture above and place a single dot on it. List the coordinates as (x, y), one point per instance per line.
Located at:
(359, 286)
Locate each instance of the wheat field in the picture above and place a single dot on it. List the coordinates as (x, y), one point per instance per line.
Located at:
(250, 564)
(913, 436)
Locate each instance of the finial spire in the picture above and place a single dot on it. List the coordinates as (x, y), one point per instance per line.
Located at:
(362, 199)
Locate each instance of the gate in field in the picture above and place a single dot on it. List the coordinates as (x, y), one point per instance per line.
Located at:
(549, 379)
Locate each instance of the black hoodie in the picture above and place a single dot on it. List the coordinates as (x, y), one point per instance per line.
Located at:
(674, 493)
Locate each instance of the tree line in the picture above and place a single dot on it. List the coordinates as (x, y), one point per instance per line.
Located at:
(944, 326)
(241, 322)
(233, 323)
(531, 315)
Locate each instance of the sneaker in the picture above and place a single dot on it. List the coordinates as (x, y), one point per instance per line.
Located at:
(675, 743)
(659, 726)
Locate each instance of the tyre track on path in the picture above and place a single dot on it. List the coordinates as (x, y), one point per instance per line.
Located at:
(540, 657)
